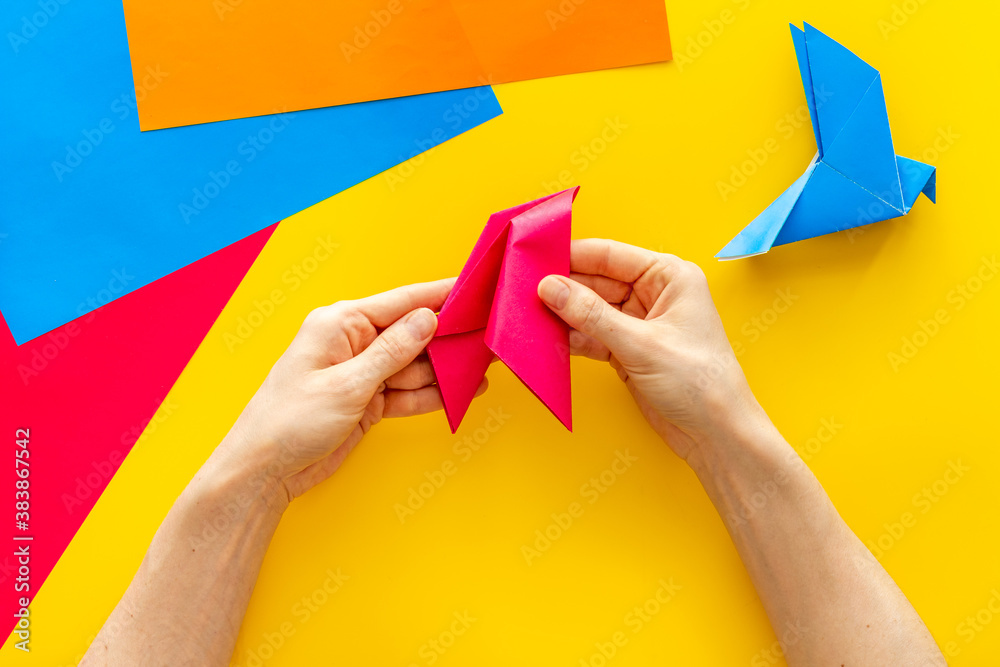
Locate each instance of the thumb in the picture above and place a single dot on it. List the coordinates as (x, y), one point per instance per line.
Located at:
(588, 313)
(396, 347)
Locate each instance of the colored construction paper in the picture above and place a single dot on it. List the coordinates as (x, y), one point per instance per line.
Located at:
(86, 391)
(233, 60)
(494, 309)
(856, 178)
(94, 209)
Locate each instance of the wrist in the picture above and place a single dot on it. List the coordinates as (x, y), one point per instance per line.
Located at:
(737, 427)
(235, 473)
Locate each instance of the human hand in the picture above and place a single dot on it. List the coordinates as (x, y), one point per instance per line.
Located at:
(350, 365)
(652, 316)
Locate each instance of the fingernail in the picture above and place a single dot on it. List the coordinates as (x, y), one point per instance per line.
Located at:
(421, 323)
(553, 292)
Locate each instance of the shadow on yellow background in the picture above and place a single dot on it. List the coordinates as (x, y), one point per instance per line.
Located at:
(462, 577)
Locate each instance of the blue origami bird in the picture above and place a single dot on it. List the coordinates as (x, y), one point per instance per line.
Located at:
(856, 178)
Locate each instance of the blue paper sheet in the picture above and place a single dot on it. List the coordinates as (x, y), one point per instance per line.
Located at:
(91, 209)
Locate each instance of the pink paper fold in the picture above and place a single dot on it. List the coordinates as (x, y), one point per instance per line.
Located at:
(494, 309)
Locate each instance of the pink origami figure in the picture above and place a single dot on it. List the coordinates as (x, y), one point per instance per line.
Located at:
(494, 309)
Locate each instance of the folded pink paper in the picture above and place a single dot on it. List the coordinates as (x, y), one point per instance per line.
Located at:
(494, 309)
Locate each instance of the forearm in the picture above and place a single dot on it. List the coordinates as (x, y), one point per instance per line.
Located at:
(199, 572)
(829, 600)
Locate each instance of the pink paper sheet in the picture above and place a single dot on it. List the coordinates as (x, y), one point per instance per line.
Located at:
(87, 390)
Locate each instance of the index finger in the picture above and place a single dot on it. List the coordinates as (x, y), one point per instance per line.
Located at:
(613, 259)
(385, 308)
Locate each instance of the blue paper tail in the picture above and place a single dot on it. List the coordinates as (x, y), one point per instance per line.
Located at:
(916, 177)
(930, 190)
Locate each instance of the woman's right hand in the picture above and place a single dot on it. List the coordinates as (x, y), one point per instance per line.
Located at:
(652, 317)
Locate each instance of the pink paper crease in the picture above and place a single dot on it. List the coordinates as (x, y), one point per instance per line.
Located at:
(494, 309)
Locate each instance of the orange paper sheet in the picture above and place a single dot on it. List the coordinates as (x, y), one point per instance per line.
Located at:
(196, 61)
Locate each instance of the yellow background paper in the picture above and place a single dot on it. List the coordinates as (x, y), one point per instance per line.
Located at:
(670, 133)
